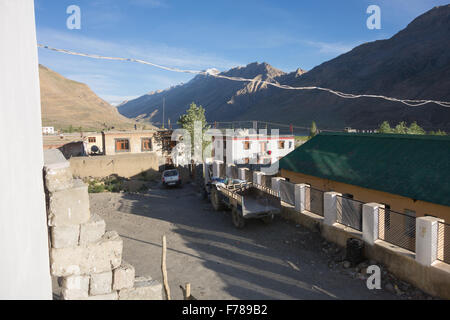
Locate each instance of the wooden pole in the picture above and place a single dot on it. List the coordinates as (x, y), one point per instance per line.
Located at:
(163, 267)
(188, 291)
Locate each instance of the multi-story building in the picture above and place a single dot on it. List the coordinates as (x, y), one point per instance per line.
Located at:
(244, 147)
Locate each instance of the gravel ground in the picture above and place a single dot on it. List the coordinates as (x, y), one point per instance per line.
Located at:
(276, 261)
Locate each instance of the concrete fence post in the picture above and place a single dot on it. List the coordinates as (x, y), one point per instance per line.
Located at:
(426, 240)
(229, 172)
(370, 222)
(300, 197)
(261, 180)
(330, 207)
(216, 168)
(242, 173)
(257, 177)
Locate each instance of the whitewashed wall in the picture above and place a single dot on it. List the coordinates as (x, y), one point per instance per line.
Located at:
(24, 262)
(238, 153)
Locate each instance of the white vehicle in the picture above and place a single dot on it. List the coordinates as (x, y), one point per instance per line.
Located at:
(171, 178)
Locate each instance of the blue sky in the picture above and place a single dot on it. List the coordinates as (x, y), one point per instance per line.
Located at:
(202, 34)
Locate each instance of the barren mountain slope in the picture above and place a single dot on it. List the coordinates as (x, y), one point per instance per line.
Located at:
(66, 102)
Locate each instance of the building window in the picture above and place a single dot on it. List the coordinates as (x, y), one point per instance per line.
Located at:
(290, 144)
(146, 144)
(264, 147)
(281, 144)
(246, 145)
(122, 145)
(166, 143)
(246, 160)
(92, 140)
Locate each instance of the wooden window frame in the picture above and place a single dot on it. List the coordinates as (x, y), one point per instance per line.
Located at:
(92, 140)
(150, 143)
(124, 150)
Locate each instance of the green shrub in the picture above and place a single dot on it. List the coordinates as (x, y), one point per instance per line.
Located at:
(96, 188)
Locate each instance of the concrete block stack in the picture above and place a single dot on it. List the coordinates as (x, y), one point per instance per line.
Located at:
(85, 257)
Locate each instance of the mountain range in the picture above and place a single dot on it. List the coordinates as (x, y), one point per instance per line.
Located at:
(413, 64)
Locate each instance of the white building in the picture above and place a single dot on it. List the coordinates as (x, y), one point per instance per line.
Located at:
(48, 130)
(244, 147)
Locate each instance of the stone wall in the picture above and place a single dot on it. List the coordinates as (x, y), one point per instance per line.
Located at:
(124, 165)
(85, 257)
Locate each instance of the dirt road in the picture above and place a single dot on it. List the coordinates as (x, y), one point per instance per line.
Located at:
(277, 261)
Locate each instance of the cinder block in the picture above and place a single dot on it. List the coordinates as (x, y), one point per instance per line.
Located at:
(93, 230)
(101, 283)
(102, 256)
(123, 276)
(65, 236)
(75, 287)
(109, 296)
(144, 289)
(69, 206)
(58, 177)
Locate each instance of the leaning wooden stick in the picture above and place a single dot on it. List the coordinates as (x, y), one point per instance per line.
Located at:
(188, 291)
(163, 267)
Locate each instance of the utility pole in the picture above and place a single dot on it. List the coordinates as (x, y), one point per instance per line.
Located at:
(164, 109)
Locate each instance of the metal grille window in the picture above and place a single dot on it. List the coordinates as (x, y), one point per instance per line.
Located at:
(397, 228)
(443, 242)
(314, 200)
(349, 212)
(410, 223)
(287, 192)
(234, 172)
(267, 181)
(249, 175)
(223, 170)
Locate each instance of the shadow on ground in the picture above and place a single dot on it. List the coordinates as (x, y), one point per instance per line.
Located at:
(277, 261)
